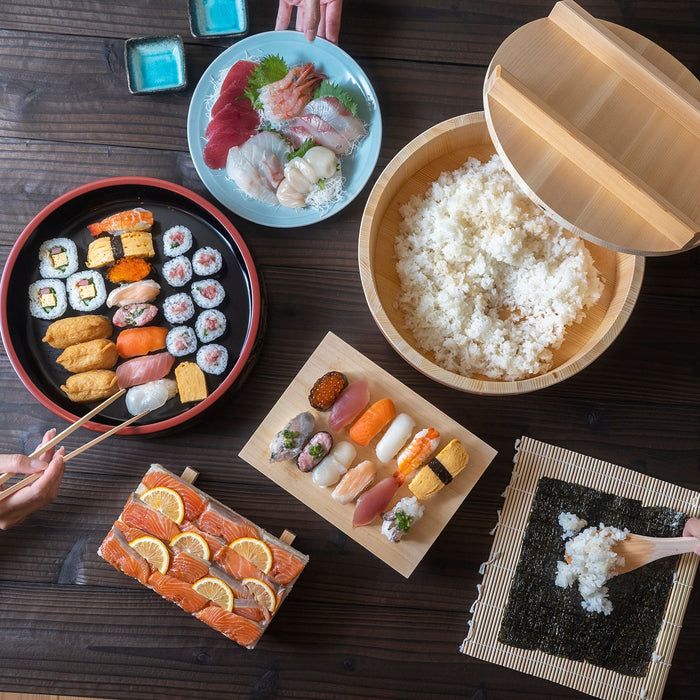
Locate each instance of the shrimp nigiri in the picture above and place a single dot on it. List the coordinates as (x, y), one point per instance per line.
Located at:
(372, 421)
(137, 219)
(416, 452)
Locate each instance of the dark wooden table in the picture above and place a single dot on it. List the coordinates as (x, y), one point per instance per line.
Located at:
(70, 624)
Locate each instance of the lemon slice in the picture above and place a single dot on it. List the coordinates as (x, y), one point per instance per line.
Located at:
(167, 501)
(216, 590)
(262, 592)
(192, 543)
(153, 551)
(255, 551)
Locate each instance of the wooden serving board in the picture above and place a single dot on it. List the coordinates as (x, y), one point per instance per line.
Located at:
(601, 127)
(334, 354)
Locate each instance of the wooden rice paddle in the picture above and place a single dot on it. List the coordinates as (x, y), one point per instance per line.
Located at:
(639, 550)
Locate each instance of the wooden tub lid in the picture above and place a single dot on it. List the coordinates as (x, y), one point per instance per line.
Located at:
(601, 127)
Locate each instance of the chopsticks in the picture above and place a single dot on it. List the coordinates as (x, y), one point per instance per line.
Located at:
(31, 478)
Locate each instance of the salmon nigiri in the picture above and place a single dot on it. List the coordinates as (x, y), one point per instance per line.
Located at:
(137, 219)
(372, 421)
(132, 342)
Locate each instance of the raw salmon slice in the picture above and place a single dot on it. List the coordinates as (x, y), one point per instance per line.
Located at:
(251, 609)
(372, 421)
(194, 502)
(177, 591)
(186, 567)
(129, 531)
(138, 514)
(221, 523)
(239, 567)
(239, 629)
(285, 566)
(132, 342)
(115, 550)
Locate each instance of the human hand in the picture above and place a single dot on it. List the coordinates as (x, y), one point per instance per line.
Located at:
(15, 508)
(313, 17)
(692, 529)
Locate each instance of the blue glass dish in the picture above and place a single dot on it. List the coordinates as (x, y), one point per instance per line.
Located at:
(155, 64)
(215, 18)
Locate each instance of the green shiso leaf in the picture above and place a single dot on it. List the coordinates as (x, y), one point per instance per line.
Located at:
(329, 89)
(270, 69)
(302, 150)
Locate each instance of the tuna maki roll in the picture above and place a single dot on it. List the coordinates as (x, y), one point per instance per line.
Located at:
(206, 261)
(178, 271)
(207, 293)
(176, 241)
(178, 308)
(210, 325)
(181, 341)
(58, 257)
(212, 358)
(86, 290)
(47, 299)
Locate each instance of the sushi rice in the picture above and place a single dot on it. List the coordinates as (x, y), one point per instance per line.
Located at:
(62, 247)
(207, 293)
(210, 325)
(178, 308)
(181, 341)
(178, 271)
(206, 261)
(57, 289)
(73, 287)
(176, 241)
(212, 358)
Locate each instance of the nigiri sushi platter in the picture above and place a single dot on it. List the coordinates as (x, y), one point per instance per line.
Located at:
(130, 284)
(267, 99)
(368, 454)
(199, 554)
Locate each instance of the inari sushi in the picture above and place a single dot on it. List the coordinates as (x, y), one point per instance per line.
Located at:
(77, 329)
(100, 353)
(93, 385)
(372, 421)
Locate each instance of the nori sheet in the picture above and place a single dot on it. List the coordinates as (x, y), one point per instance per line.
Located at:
(541, 615)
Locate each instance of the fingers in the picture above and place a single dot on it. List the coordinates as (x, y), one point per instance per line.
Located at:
(19, 464)
(330, 20)
(50, 434)
(284, 14)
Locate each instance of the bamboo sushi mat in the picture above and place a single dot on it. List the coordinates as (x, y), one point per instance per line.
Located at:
(534, 460)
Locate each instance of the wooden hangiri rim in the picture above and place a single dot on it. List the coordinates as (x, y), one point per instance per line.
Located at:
(602, 129)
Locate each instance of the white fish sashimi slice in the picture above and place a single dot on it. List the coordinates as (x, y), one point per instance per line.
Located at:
(133, 293)
(257, 167)
(149, 396)
(337, 115)
(311, 126)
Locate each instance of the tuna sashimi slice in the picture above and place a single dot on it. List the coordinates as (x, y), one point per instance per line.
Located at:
(239, 629)
(239, 113)
(349, 404)
(140, 370)
(217, 148)
(177, 591)
(194, 502)
(239, 71)
(371, 503)
(115, 550)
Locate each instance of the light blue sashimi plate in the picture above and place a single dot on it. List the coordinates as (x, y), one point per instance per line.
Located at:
(341, 69)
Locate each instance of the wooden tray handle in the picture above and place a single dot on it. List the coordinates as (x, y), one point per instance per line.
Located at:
(583, 152)
(631, 66)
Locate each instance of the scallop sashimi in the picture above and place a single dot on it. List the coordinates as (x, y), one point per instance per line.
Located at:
(150, 396)
(140, 370)
(257, 167)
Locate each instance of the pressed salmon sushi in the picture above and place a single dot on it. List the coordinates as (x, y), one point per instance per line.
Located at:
(372, 421)
(221, 522)
(285, 566)
(129, 531)
(193, 500)
(239, 567)
(240, 629)
(177, 591)
(137, 219)
(251, 609)
(138, 514)
(187, 567)
(133, 342)
(115, 550)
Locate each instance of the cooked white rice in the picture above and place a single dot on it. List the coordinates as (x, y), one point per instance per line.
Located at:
(590, 562)
(207, 293)
(488, 282)
(212, 358)
(77, 302)
(65, 247)
(206, 261)
(178, 271)
(178, 308)
(570, 524)
(57, 293)
(210, 325)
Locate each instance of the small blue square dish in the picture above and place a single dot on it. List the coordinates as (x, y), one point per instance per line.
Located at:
(155, 64)
(218, 18)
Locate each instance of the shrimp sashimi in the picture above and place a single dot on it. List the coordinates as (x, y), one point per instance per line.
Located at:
(286, 98)
(187, 567)
(240, 629)
(140, 370)
(226, 524)
(115, 550)
(137, 219)
(372, 421)
(177, 591)
(137, 514)
(193, 500)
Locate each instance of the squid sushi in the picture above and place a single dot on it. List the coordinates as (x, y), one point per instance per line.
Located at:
(334, 465)
(149, 396)
(416, 452)
(349, 404)
(395, 437)
(354, 482)
(372, 421)
(289, 442)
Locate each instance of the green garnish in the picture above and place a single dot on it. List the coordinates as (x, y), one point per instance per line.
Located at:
(317, 450)
(289, 438)
(404, 521)
(329, 89)
(302, 150)
(269, 70)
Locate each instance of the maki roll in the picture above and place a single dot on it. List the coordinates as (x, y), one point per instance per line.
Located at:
(176, 241)
(212, 358)
(58, 257)
(47, 298)
(207, 293)
(206, 261)
(178, 308)
(86, 291)
(181, 341)
(178, 271)
(210, 325)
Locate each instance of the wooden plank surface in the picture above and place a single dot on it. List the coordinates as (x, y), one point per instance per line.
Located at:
(352, 628)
